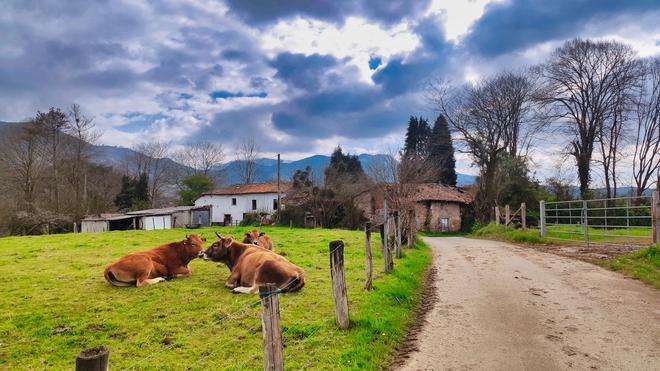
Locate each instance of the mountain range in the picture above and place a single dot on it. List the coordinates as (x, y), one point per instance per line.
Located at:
(228, 173)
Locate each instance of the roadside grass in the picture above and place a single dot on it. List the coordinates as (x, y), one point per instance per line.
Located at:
(500, 232)
(642, 264)
(56, 303)
(633, 235)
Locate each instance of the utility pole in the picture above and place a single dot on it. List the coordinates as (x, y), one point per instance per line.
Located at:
(279, 192)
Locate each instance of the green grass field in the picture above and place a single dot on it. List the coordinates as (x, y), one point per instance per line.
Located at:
(643, 265)
(56, 303)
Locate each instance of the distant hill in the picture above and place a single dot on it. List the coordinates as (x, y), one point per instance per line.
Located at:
(267, 169)
(228, 173)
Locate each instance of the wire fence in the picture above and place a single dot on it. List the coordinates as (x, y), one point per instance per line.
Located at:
(620, 220)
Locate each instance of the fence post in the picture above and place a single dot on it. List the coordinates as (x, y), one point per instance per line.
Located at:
(585, 221)
(339, 283)
(412, 224)
(387, 254)
(93, 359)
(397, 235)
(655, 215)
(497, 215)
(523, 215)
(270, 326)
(507, 215)
(542, 213)
(367, 254)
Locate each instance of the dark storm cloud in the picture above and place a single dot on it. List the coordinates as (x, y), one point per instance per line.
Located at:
(514, 25)
(406, 73)
(301, 71)
(383, 11)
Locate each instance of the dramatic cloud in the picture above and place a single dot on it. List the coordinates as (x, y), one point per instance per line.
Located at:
(300, 76)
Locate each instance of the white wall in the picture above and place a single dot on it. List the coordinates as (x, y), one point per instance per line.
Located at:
(221, 205)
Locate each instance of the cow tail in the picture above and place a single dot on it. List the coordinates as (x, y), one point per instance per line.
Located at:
(110, 277)
(296, 283)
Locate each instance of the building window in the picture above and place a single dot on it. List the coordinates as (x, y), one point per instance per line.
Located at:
(233, 202)
(254, 204)
(275, 205)
(444, 224)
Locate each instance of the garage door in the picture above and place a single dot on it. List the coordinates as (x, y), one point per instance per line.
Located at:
(158, 222)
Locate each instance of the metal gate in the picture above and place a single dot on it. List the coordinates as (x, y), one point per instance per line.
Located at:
(621, 220)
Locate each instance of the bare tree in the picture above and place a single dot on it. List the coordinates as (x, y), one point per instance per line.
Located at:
(246, 160)
(22, 156)
(583, 84)
(201, 157)
(81, 130)
(646, 115)
(493, 119)
(151, 158)
(610, 137)
(51, 125)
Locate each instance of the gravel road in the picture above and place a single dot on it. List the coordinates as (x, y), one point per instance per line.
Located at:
(503, 307)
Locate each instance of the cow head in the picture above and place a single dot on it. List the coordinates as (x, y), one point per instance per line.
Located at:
(252, 237)
(193, 245)
(219, 250)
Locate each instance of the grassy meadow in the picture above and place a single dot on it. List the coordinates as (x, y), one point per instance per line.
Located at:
(55, 303)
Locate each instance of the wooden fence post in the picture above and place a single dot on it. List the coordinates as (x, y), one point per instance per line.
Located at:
(655, 216)
(585, 220)
(387, 253)
(542, 215)
(397, 235)
(367, 254)
(93, 359)
(412, 226)
(523, 215)
(507, 215)
(270, 327)
(339, 283)
(497, 215)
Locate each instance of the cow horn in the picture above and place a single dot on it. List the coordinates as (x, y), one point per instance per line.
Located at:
(218, 234)
(187, 236)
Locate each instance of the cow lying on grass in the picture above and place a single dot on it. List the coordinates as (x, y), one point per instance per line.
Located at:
(153, 266)
(252, 266)
(258, 238)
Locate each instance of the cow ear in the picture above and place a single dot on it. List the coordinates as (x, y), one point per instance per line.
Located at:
(228, 241)
(262, 234)
(247, 234)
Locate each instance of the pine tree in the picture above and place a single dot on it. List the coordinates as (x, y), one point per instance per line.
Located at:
(441, 152)
(410, 148)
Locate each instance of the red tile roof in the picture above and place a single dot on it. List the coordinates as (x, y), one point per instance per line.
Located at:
(245, 189)
(439, 192)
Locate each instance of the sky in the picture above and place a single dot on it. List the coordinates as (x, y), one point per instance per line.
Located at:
(301, 77)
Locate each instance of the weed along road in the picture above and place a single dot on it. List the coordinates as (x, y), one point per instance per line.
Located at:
(503, 307)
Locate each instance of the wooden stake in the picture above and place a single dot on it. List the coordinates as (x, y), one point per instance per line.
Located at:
(270, 327)
(412, 222)
(523, 215)
(387, 254)
(93, 359)
(367, 254)
(507, 215)
(397, 235)
(339, 283)
(497, 215)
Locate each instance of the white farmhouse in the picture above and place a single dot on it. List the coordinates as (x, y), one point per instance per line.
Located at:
(229, 204)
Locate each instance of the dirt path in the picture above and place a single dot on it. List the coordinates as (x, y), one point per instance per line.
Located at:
(503, 307)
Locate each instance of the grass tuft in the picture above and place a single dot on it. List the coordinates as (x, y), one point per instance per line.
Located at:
(642, 264)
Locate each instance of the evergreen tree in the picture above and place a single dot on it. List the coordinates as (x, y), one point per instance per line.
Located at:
(417, 137)
(134, 193)
(343, 168)
(193, 186)
(441, 153)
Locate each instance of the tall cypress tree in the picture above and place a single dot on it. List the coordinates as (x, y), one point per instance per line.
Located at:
(410, 147)
(441, 152)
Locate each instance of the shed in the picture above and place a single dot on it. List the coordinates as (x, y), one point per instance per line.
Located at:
(108, 222)
(173, 217)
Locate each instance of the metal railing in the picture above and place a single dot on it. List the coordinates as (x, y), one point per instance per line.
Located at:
(620, 220)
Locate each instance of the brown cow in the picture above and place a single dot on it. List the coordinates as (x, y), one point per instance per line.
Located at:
(153, 266)
(252, 266)
(258, 238)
